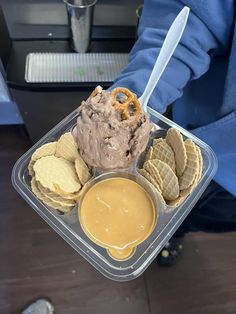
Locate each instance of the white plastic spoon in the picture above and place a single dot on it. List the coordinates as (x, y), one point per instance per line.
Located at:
(171, 41)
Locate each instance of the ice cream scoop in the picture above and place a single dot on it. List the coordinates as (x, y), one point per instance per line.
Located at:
(110, 134)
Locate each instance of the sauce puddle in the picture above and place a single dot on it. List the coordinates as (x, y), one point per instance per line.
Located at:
(117, 214)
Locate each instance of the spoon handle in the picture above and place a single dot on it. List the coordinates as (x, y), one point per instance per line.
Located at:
(171, 41)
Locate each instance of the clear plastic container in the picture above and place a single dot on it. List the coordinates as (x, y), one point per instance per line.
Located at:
(68, 225)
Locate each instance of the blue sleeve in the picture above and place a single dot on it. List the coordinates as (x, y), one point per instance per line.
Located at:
(207, 32)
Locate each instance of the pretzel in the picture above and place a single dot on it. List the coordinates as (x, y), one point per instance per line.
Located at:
(125, 106)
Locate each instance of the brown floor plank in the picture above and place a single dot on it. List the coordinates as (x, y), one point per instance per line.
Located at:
(204, 282)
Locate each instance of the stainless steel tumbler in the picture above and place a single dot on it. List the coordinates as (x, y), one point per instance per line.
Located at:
(80, 17)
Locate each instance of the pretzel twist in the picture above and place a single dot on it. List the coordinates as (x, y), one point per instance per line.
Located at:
(125, 106)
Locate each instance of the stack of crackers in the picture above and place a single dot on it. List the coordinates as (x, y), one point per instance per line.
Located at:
(173, 166)
(58, 173)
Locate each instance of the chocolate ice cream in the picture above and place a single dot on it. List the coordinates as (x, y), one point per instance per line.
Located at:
(106, 139)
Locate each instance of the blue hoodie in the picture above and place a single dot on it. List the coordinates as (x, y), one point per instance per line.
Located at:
(200, 79)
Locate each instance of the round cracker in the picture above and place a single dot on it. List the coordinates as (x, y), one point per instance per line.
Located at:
(200, 160)
(82, 170)
(48, 149)
(178, 201)
(187, 191)
(71, 196)
(55, 197)
(149, 154)
(192, 166)
(147, 175)
(175, 139)
(155, 185)
(67, 147)
(152, 170)
(53, 171)
(164, 152)
(156, 141)
(170, 189)
(46, 200)
(30, 168)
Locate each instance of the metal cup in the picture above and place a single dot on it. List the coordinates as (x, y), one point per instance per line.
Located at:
(80, 17)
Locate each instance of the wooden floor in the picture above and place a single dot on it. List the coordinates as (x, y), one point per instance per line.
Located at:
(36, 262)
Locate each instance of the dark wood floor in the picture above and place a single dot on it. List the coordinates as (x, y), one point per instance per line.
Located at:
(35, 262)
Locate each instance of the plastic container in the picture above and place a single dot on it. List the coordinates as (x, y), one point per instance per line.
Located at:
(68, 225)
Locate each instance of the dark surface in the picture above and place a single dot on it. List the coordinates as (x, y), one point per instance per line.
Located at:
(42, 111)
(36, 262)
(20, 50)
